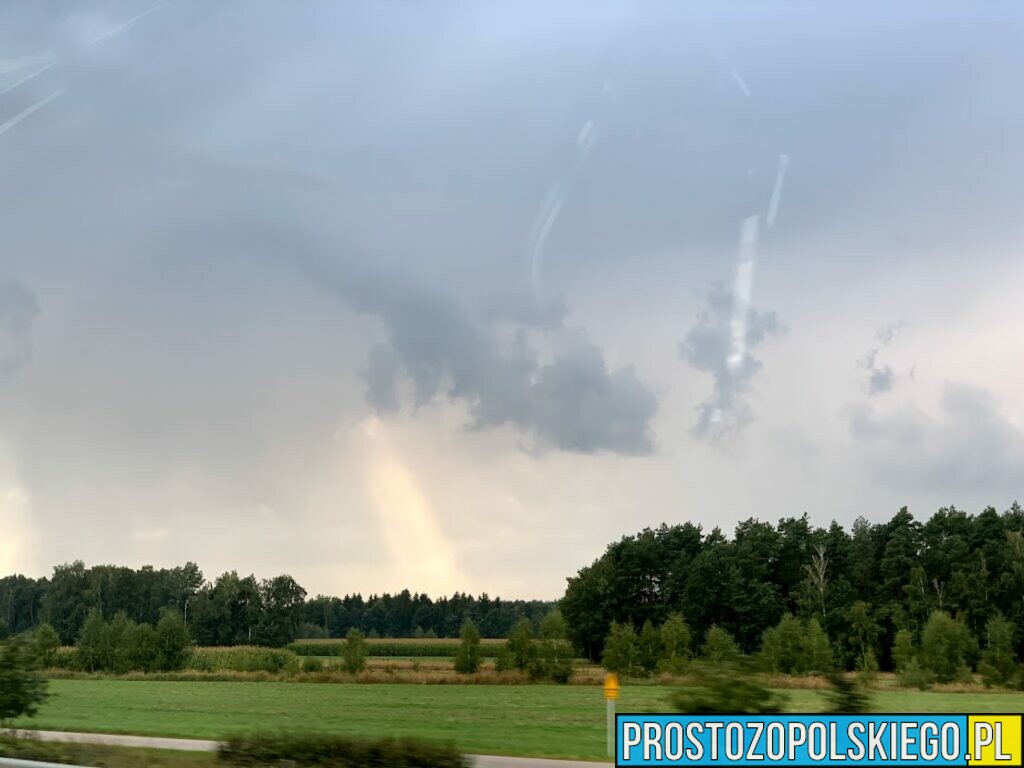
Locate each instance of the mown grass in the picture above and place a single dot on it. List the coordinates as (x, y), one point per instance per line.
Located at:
(534, 720)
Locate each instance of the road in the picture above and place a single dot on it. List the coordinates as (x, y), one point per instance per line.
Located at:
(199, 745)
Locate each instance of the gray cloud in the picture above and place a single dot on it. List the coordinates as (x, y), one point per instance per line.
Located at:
(19, 308)
(573, 402)
(970, 447)
(881, 376)
(708, 346)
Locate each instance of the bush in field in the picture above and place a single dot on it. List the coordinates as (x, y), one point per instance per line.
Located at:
(44, 645)
(115, 630)
(909, 670)
(504, 661)
(65, 658)
(864, 631)
(552, 660)
(622, 650)
(903, 649)
(675, 641)
(552, 655)
(520, 643)
(946, 645)
(173, 642)
(93, 648)
(722, 688)
(998, 665)
(324, 751)
(354, 653)
(720, 647)
(312, 664)
(650, 647)
(21, 689)
(815, 649)
(139, 648)
(468, 657)
(796, 647)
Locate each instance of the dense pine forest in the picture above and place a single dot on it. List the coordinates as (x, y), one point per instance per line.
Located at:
(870, 588)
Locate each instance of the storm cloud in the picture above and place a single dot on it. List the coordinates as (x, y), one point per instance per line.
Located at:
(571, 401)
(708, 347)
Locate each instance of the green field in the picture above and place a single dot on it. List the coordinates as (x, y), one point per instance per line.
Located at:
(538, 720)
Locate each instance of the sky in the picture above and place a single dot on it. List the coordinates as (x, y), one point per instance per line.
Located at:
(450, 295)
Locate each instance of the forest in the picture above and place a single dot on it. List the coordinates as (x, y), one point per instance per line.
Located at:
(233, 609)
(871, 589)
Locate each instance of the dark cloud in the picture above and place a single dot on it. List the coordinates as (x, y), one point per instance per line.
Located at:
(573, 402)
(881, 377)
(970, 447)
(19, 308)
(708, 346)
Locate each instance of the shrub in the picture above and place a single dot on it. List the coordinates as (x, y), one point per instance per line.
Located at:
(93, 650)
(793, 647)
(676, 641)
(815, 649)
(622, 650)
(312, 664)
(520, 643)
(903, 650)
(45, 643)
(467, 659)
(138, 648)
(721, 688)
(326, 751)
(354, 652)
(21, 689)
(552, 660)
(998, 665)
(66, 657)
(780, 646)
(946, 644)
(720, 647)
(504, 661)
(913, 675)
(172, 642)
(650, 647)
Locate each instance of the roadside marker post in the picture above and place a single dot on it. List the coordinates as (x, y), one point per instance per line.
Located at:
(611, 693)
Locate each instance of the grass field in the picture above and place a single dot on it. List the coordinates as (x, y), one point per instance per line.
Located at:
(537, 720)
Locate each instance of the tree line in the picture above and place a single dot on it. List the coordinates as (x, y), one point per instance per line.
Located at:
(234, 610)
(883, 595)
